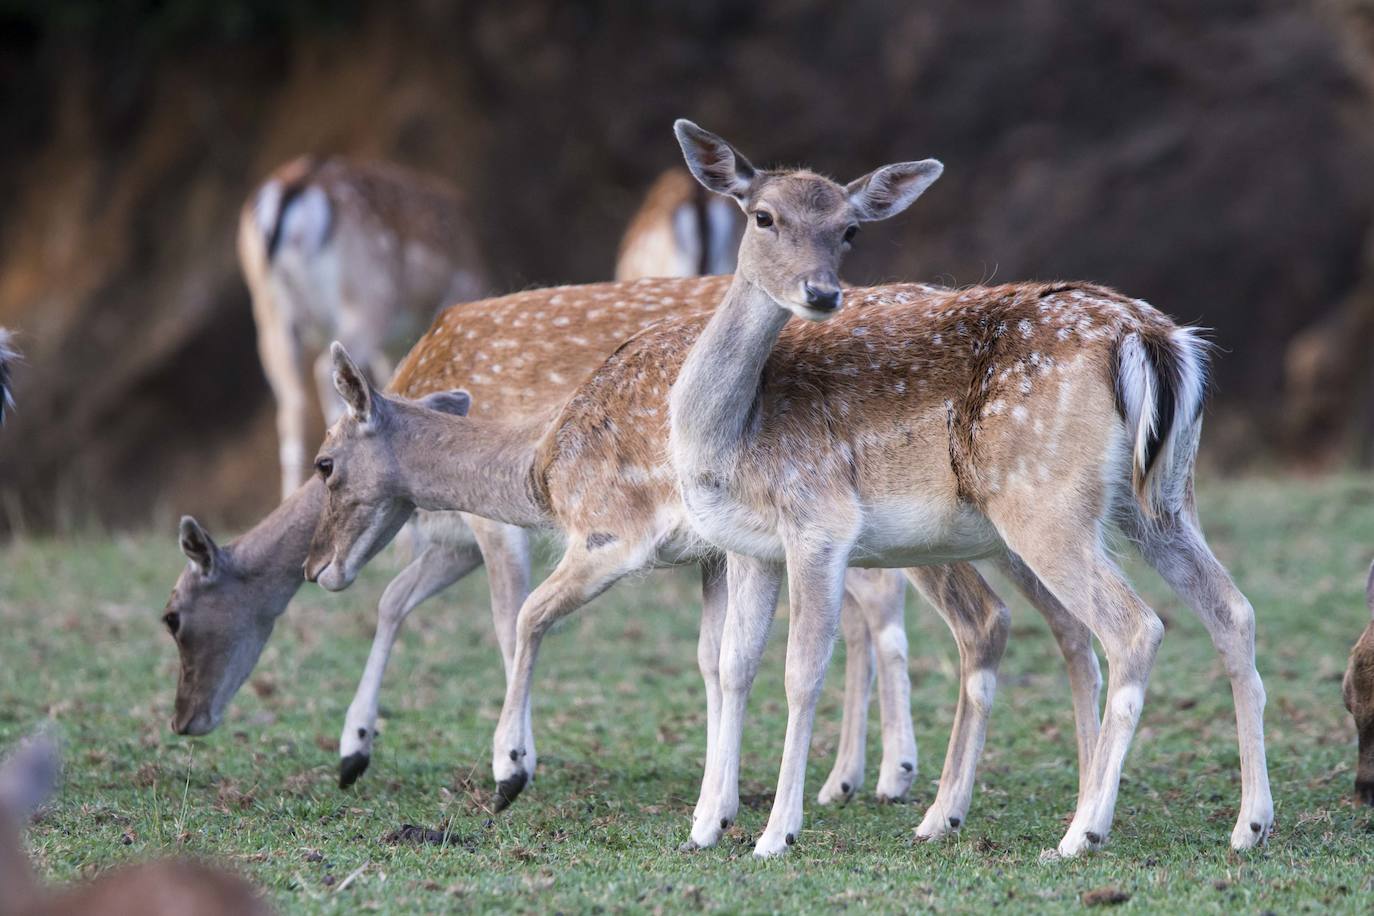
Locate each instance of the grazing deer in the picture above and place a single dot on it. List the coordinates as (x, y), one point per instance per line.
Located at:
(683, 230)
(924, 427)
(226, 602)
(170, 886)
(680, 230)
(599, 475)
(362, 252)
(8, 356)
(1358, 692)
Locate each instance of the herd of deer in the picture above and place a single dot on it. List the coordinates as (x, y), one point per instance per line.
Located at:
(668, 419)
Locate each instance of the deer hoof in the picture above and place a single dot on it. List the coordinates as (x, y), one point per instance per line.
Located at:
(508, 790)
(351, 767)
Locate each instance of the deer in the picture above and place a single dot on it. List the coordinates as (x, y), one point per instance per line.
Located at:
(683, 230)
(598, 475)
(8, 357)
(366, 252)
(227, 599)
(168, 886)
(903, 427)
(1357, 690)
(679, 231)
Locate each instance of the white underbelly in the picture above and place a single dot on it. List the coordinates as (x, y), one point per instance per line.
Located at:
(911, 532)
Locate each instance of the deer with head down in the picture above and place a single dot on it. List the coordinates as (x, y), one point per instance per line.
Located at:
(924, 426)
(365, 252)
(226, 601)
(168, 887)
(1357, 689)
(599, 474)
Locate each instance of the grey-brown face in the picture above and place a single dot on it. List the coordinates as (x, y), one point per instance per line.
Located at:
(220, 621)
(799, 225)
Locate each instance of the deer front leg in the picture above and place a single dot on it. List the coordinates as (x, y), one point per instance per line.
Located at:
(815, 590)
(580, 576)
(436, 568)
(753, 599)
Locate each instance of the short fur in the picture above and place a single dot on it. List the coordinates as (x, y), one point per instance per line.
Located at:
(1357, 690)
(680, 230)
(8, 357)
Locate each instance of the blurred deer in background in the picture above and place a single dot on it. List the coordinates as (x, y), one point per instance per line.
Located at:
(8, 355)
(168, 887)
(360, 252)
(680, 230)
(1358, 691)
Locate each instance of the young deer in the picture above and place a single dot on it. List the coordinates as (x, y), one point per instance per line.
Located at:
(362, 252)
(924, 426)
(599, 474)
(226, 602)
(680, 230)
(1358, 692)
(683, 230)
(170, 886)
(8, 356)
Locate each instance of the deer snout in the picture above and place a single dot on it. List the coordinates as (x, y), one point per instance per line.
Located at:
(822, 294)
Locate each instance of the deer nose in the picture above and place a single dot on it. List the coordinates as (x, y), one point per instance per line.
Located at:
(821, 296)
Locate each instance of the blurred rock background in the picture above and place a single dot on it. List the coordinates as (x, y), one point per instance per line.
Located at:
(1216, 159)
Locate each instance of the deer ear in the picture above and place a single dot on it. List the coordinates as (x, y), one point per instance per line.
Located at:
(887, 191)
(196, 543)
(716, 164)
(351, 384)
(457, 402)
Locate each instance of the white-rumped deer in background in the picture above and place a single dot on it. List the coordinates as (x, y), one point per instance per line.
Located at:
(952, 424)
(168, 887)
(360, 252)
(8, 356)
(681, 230)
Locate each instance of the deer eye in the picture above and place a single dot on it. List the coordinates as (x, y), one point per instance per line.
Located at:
(173, 621)
(763, 219)
(324, 467)
(849, 234)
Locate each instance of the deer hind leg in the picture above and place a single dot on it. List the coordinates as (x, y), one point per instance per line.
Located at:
(1076, 645)
(436, 568)
(980, 623)
(847, 775)
(753, 599)
(1175, 546)
(714, 606)
(883, 603)
(815, 575)
(284, 366)
(580, 576)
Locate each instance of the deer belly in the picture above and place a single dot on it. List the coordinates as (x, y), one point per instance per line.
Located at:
(730, 524)
(912, 532)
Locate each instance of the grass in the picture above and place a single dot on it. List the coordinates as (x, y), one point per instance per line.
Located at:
(620, 724)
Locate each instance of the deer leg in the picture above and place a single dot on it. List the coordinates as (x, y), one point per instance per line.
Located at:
(714, 605)
(580, 576)
(979, 623)
(753, 600)
(847, 775)
(815, 590)
(436, 568)
(884, 608)
(506, 553)
(1076, 645)
(1175, 546)
(283, 364)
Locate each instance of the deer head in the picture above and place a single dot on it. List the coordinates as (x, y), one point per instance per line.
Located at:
(367, 500)
(799, 224)
(1358, 691)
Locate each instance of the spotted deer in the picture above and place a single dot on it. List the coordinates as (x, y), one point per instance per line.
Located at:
(599, 475)
(8, 357)
(364, 252)
(680, 230)
(226, 601)
(927, 426)
(1357, 689)
(169, 887)
(683, 230)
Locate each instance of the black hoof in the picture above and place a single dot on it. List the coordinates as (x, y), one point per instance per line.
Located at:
(955, 822)
(508, 790)
(725, 823)
(351, 767)
(789, 839)
(1364, 791)
(845, 788)
(1094, 838)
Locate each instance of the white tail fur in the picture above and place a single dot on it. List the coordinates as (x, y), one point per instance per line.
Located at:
(8, 355)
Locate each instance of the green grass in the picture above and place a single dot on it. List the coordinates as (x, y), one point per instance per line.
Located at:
(620, 725)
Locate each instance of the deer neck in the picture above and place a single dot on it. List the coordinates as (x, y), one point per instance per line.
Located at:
(272, 552)
(714, 399)
(484, 467)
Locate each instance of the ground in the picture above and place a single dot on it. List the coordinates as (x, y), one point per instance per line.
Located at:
(620, 726)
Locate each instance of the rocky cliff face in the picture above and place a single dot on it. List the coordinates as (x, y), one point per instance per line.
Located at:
(1211, 158)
